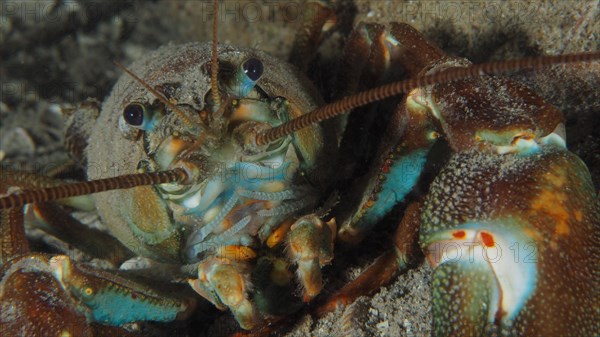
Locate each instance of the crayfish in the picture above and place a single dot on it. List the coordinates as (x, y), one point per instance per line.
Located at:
(225, 170)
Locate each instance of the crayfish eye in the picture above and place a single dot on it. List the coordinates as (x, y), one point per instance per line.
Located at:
(134, 114)
(253, 68)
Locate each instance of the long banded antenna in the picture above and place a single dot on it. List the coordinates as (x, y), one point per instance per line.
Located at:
(214, 66)
(186, 120)
(21, 199)
(448, 75)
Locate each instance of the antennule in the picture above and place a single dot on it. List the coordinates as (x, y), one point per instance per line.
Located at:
(21, 199)
(448, 75)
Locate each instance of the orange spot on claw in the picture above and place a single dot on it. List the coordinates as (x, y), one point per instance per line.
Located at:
(459, 234)
(488, 239)
(551, 203)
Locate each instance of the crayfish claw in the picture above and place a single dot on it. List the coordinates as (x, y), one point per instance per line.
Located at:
(223, 283)
(311, 247)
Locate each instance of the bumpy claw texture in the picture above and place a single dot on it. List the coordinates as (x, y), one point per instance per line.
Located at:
(511, 223)
(34, 303)
(515, 243)
(44, 295)
(51, 296)
(112, 300)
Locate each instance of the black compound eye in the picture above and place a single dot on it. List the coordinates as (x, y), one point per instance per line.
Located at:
(253, 68)
(134, 114)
